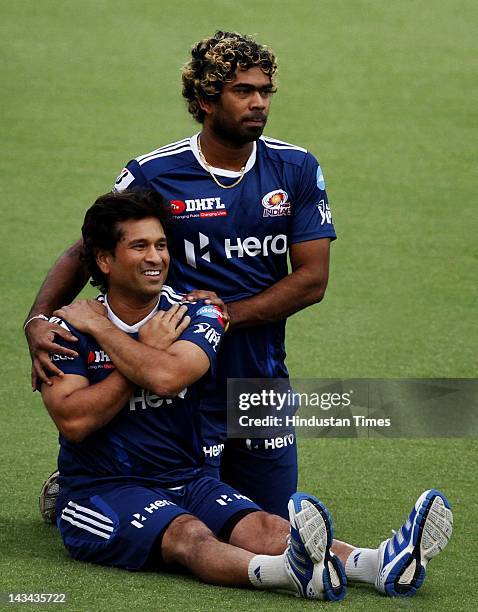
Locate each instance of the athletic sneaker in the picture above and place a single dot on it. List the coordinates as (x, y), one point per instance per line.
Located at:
(48, 496)
(402, 558)
(316, 572)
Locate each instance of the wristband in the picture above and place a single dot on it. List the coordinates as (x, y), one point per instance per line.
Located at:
(40, 316)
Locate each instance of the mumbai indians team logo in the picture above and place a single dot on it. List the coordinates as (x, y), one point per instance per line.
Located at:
(276, 203)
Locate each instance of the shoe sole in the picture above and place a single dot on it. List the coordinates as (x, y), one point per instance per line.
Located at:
(432, 529)
(311, 528)
(47, 499)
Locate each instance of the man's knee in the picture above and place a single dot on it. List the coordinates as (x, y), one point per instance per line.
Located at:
(261, 532)
(182, 538)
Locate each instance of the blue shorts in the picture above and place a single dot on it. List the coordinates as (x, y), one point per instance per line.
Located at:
(263, 469)
(118, 526)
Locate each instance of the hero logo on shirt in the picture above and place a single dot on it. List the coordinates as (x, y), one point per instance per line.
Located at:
(123, 181)
(212, 312)
(143, 399)
(200, 208)
(276, 203)
(252, 246)
(324, 210)
(235, 247)
(210, 334)
(190, 250)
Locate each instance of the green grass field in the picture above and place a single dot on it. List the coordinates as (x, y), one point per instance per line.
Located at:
(384, 94)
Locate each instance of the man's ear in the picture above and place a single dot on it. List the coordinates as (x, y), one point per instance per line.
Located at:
(206, 105)
(103, 259)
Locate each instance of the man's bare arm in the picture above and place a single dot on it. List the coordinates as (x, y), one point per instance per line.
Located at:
(78, 408)
(305, 285)
(62, 284)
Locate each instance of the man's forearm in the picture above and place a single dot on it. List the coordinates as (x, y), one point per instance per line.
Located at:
(80, 413)
(98, 404)
(145, 366)
(306, 285)
(284, 298)
(63, 282)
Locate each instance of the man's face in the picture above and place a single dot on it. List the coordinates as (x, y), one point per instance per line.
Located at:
(240, 114)
(140, 263)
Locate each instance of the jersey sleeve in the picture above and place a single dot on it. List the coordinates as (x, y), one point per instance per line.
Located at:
(131, 176)
(71, 365)
(206, 330)
(311, 216)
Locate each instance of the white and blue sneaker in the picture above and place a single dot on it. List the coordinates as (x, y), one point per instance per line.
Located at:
(402, 558)
(316, 572)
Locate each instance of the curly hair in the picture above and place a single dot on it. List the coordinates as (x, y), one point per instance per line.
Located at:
(101, 229)
(214, 62)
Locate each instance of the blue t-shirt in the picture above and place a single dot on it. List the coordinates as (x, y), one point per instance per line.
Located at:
(152, 439)
(235, 241)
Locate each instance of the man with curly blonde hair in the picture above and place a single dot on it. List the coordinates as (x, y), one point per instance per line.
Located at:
(215, 62)
(241, 203)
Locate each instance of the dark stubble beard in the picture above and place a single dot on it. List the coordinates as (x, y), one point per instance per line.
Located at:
(236, 134)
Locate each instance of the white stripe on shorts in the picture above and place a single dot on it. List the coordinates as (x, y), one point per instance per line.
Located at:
(97, 515)
(86, 519)
(106, 536)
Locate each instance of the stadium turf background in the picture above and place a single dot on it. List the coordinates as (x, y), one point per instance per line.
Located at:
(382, 93)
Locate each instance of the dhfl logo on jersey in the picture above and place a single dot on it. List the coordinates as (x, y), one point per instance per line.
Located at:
(177, 207)
(276, 203)
(199, 207)
(99, 360)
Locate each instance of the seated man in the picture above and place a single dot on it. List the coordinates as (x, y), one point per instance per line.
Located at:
(132, 490)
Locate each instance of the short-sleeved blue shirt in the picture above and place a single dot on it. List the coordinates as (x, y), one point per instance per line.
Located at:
(235, 241)
(152, 439)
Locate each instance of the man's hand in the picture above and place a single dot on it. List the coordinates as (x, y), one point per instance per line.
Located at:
(165, 327)
(41, 341)
(209, 297)
(85, 315)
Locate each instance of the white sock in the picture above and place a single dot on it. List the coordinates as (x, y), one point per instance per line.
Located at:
(362, 565)
(269, 572)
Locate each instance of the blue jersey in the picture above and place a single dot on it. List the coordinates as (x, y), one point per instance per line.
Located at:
(152, 439)
(235, 241)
